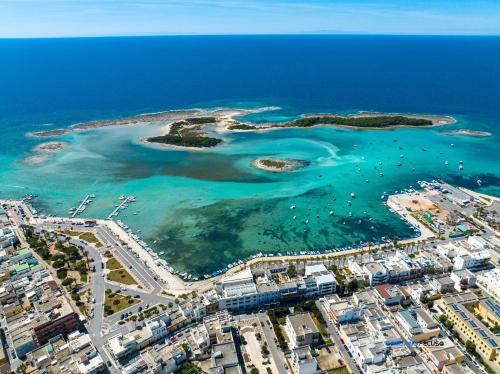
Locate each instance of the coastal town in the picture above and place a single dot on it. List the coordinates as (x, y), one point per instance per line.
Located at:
(81, 295)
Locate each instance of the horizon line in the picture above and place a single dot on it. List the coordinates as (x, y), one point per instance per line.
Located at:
(241, 34)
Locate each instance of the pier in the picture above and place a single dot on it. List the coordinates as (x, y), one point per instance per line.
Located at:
(82, 206)
(122, 205)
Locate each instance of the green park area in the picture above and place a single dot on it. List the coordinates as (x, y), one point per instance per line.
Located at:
(115, 302)
(117, 273)
(89, 237)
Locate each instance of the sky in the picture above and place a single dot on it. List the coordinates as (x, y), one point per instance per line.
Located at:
(78, 18)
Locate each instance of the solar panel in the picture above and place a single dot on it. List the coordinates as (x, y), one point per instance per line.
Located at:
(482, 333)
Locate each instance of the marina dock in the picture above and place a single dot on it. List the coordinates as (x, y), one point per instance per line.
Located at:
(123, 205)
(81, 208)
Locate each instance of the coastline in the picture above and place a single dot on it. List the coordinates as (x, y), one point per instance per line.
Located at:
(178, 285)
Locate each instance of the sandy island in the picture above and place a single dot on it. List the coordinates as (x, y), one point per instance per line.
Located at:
(279, 165)
(468, 132)
(42, 152)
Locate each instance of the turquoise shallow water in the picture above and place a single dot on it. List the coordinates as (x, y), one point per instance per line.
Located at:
(207, 209)
(215, 207)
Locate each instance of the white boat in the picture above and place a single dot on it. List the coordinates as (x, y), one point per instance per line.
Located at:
(452, 145)
(446, 162)
(381, 175)
(353, 195)
(350, 214)
(292, 207)
(331, 212)
(294, 218)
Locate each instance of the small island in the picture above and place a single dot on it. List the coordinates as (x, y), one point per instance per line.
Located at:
(242, 126)
(279, 165)
(187, 133)
(468, 132)
(42, 152)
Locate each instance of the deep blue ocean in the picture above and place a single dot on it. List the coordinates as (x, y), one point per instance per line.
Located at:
(213, 206)
(66, 80)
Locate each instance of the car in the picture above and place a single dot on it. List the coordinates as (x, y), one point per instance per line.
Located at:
(123, 289)
(93, 300)
(108, 363)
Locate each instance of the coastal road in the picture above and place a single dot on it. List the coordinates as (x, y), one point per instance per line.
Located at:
(353, 367)
(138, 269)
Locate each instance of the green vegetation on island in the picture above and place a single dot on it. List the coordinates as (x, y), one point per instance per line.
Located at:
(360, 121)
(201, 120)
(186, 141)
(187, 134)
(279, 165)
(242, 126)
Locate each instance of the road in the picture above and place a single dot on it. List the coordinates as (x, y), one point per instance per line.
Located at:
(278, 356)
(353, 367)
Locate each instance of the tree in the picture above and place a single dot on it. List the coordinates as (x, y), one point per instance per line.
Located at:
(57, 264)
(67, 281)
(254, 370)
(62, 273)
(291, 271)
(353, 285)
(430, 304)
(470, 346)
(423, 298)
(442, 318)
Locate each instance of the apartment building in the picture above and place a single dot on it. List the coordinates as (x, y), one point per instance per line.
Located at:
(301, 330)
(468, 312)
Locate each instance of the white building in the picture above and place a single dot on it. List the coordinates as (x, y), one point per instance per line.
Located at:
(490, 281)
(464, 279)
(91, 363)
(301, 330)
(238, 292)
(303, 362)
(325, 280)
